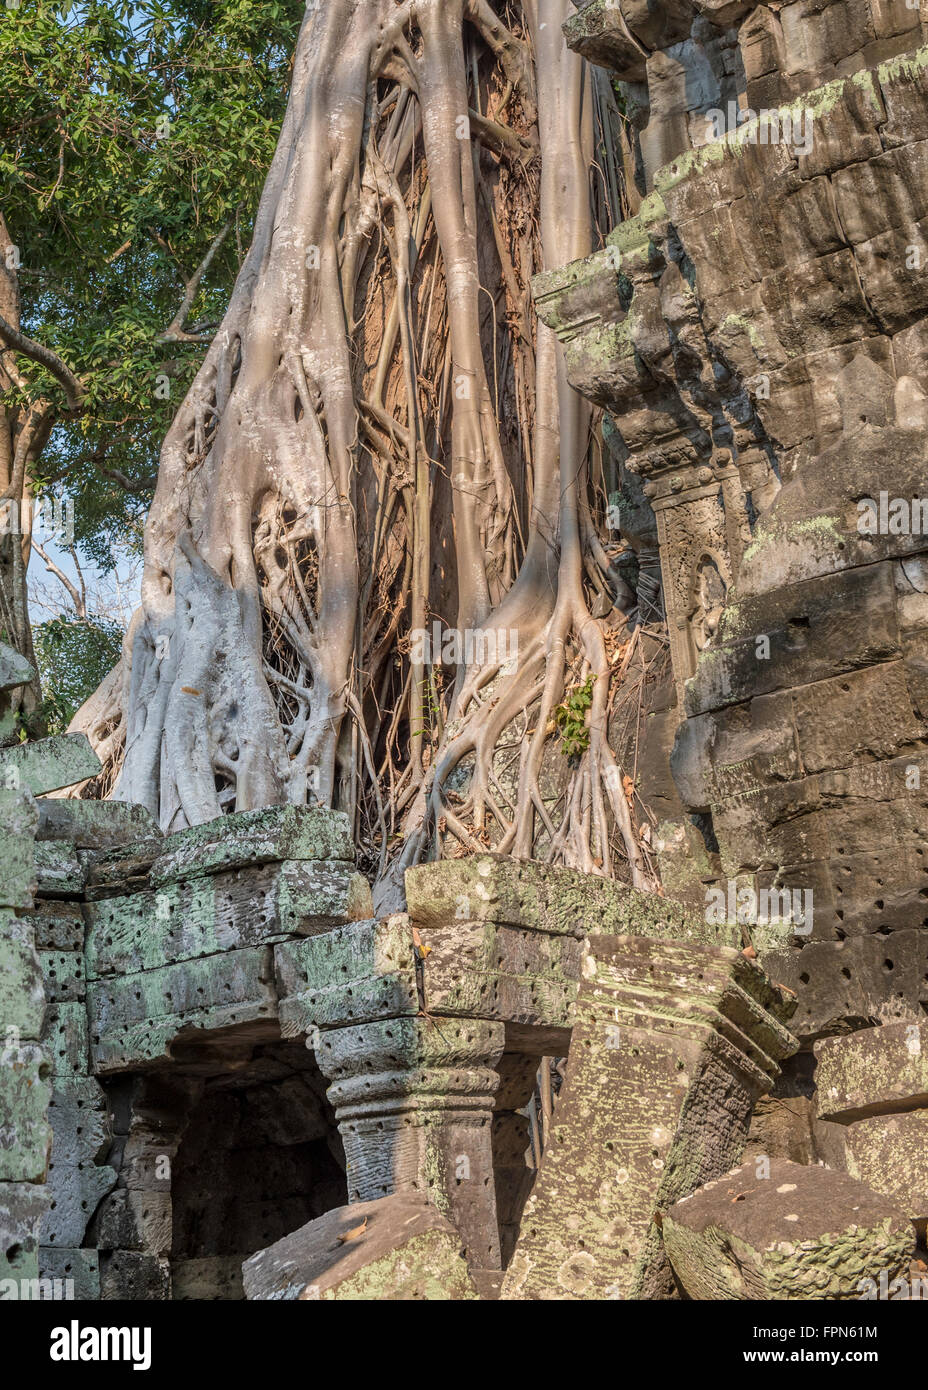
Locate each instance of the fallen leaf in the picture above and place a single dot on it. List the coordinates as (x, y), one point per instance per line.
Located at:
(749, 952)
(351, 1235)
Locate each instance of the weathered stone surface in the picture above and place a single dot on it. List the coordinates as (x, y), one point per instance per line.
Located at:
(65, 1039)
(797, 1233)
(22, 995)
(77, 1177)
(94, 825)
(212, 1277)
(845, 985)
(136, 1277)
(77, 1270)
(63, 974)
(132, 1220)
(672, 1045)
(25, 1090)
(21, 1208)
(58, 926)
(873, 1072)
(18, 819)
(254, 837)
(202, 916)
(14, 668)
(134, 1019)
(543, 898)
(396, 1249)
(50, 764)
(349, 975)
(890, 1154)
(61, 872)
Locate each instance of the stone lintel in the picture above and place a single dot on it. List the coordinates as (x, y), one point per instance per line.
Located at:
(240, 907)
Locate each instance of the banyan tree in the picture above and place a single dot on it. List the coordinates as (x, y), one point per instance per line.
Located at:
(382, 443)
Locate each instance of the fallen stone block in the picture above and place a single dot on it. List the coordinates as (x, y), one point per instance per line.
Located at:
(890, 1154)
(73, 1274)
(873, 1072)
(48, 765)
(396, 1249)
(671, 1046)
(791, 1232)
(94, 825)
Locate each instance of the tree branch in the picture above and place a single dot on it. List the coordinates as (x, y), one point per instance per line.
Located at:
(73, 387)
(78, 598)
(175, 329)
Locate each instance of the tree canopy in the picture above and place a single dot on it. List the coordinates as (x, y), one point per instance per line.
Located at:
(134, 142)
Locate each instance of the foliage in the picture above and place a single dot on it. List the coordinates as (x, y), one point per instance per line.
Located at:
(73, 659)
(570, 719)
(131, 133)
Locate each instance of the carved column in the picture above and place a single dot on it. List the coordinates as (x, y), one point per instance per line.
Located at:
(671, 1046)
(414, 1101)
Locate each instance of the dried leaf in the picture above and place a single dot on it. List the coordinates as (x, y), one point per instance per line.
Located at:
(353, 1234)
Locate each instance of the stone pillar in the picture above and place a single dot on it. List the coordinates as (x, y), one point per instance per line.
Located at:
(511, 1141)
(671, 1046)
(134, 1223)
(414, 1103)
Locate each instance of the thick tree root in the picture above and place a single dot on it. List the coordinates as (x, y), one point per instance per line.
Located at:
(382, 436)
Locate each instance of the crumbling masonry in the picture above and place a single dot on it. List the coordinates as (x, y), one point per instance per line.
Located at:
(222, 1077)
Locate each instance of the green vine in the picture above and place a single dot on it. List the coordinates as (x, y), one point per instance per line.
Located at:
(570, 719)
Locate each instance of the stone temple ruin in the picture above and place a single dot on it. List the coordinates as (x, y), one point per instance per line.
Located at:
(222, 1077)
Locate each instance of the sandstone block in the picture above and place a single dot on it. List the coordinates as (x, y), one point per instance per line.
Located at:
(396, 1249)
(799, 1233)
(873, 1072)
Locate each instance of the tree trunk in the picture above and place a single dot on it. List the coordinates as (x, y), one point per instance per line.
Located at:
(382, 436)
(24, 431)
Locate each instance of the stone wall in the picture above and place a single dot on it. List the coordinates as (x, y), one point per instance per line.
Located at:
(756, 334)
